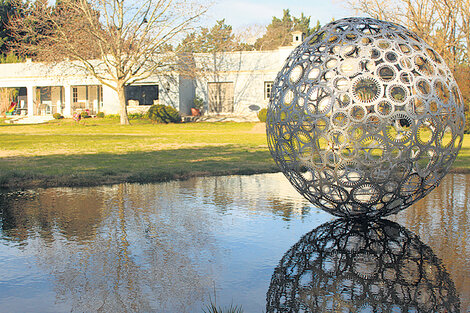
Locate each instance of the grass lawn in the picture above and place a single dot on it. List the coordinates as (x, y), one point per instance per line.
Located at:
(100, 151)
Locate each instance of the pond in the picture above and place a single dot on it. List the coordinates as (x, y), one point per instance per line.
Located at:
(176, 246)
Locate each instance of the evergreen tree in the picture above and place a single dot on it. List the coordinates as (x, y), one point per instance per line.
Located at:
(218, 38)
(279, 32)
(7, 9)
(10, 58)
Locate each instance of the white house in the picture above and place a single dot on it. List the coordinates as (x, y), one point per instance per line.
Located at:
(230, 83)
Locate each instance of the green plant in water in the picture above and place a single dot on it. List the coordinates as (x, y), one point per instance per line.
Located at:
(213, 308)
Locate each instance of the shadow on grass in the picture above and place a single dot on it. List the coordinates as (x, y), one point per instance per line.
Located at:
(140, 167)
(146, 167)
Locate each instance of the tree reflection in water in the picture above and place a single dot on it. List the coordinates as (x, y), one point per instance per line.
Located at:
(121, 250)
(348, 266)
(442, 221)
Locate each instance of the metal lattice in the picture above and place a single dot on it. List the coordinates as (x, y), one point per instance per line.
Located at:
(365, 118)
(346, 266)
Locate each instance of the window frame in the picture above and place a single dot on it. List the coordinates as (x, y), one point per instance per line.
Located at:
(74, 94)
(268, 89)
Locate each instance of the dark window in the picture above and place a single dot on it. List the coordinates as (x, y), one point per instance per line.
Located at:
(22, 92)
(100, 95)
(45, 93)
(74, 94)
(268, 88)
(145, 94)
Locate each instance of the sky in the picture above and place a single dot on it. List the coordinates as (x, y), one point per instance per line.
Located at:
(243, 13)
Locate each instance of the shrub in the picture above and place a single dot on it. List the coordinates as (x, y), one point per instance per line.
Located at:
(84, 114)
(198, 103)
(136, 116)
(100, 114)
(113, 116)
(163, 114)
(57, 116)
(262, 114)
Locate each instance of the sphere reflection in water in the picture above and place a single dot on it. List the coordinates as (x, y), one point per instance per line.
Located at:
(347, 266)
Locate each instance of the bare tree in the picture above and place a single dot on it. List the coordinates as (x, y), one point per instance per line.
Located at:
(248, 35)
(119, 42)
(464, 6)
(441, 23)
(444, 24)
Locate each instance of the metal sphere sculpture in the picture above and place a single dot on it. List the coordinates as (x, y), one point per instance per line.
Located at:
(365, 118)
(345, 266)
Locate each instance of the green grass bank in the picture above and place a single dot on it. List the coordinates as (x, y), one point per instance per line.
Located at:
(100, 151)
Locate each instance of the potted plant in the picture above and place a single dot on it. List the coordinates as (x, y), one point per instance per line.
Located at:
(198, 105)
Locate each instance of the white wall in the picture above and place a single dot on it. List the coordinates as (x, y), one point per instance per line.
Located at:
(247, 70)
(110, 101)
(56, 100)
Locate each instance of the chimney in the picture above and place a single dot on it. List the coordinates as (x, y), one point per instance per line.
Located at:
(297, 38)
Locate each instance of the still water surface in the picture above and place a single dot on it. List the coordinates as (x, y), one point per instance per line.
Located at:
(171, 247)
